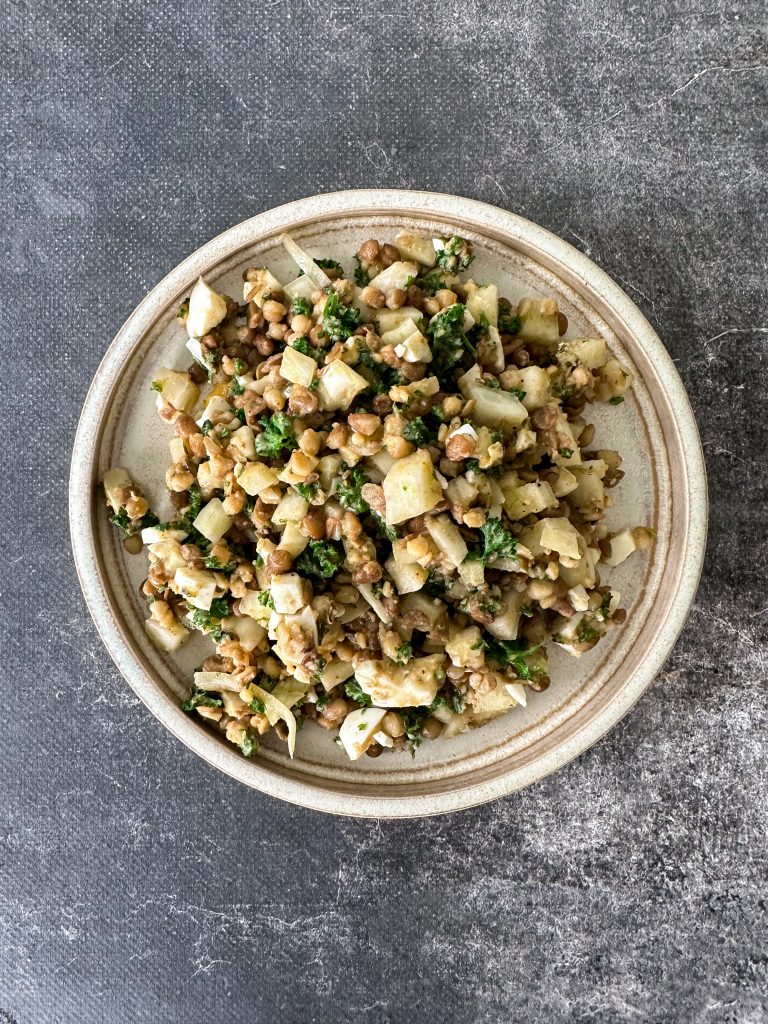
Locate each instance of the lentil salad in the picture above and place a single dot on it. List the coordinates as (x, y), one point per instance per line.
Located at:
(386, 499)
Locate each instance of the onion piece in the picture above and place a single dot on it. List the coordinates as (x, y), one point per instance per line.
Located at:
(305, 262)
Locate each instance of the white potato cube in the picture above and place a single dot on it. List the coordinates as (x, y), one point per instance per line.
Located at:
(290, 593)
(296, 367)
(465, 648)
(212, 521)
(291, 509)
(535, 382)
(559, 534)
(408, 577)
(206, 310)
(483, 303)
(339, 386)
(528, 499)
(358, 729)
(167, 638)
(410, 488)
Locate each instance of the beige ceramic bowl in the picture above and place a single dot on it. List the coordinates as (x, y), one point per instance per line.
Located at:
(664, 486)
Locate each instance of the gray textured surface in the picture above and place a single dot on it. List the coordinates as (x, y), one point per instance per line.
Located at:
(135, 883)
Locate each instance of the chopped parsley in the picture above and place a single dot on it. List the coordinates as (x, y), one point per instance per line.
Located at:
(586, 633)
(512, 652)
(130, 527)
(258, 706)
(381, 376)
(432, 282)
(212, 562)
(348, 493)
(455, 255)
(448, 341)
(361, 278)
(418, 433)
(156, 386)
(266, 599)
(201, 697)
(206, 428)
(249, 745)
(320, 558)
(307, 491)
(498, 542)
(509, 322)
(616, 400)
(330, 265)
(413, 720)
(278, 438)
(566, 453)
(301, 306)
(355, 692)
(403, 654)
(339, 321)
(302, 345)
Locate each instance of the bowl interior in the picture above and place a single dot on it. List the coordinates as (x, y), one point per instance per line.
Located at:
(586, 694)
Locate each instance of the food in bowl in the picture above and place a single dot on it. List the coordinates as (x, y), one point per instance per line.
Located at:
(387, 499)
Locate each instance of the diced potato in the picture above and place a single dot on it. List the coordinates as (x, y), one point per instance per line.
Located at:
(398, 275)
(296, 367)
(176, 388)
(215, 408)
(589, 352)
(447, 537)
(242, 441)
(252, 606)
(115, 480)
(300, 288)
(388, 319)
(290, 593)
(472, 573)
(622, 546)
(506, 624)
(379, 465)
(528, 499)
(535, 382)
(292, 509)
(328, 470)
(177, 450)
(538, 320)
(212, 521)
(559, 534)
(196, 586)
(612, 381)
(255, 477)
(249, 633)
(483, 303)
(335, 672)
(498, 410)
(167, 638)
(415, 349)
(206, 310)
(168, 553)
(298, 467)
(588, 497)
(398, 334)
(259, 289)
(358, 729)
(408, 577)
(465, 648)
(490, 351)
(293, 540)
(565, 483)
(414, 247)
(569, 453)
(339, 385)
(390, 685)
(410, 488)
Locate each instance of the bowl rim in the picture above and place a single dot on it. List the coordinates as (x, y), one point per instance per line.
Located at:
(518, 233)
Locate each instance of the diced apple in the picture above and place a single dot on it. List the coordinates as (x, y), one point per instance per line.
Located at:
(242, 441)
(291, 509)
(335, 672)
(168, 553)
(538, 320)
(535, 382)
(389, 319)
(527, 499)
(490, 351)
(465, 648)
(249, 633)
(290, 593)
(408, 577)
(206, 310)
(472, 573)
(410, 488)
(483, 303)
(215, 410)
(506, 624)
(253, 606)
(293, 540)
(589, 352)
(415, 349)
(217, 681)
(560, 535)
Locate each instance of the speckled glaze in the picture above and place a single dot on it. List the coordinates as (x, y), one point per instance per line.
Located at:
(665, 486)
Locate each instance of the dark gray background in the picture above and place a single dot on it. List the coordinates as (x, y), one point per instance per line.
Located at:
(138, 885)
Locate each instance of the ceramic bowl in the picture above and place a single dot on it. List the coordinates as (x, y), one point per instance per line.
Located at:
(665, 486)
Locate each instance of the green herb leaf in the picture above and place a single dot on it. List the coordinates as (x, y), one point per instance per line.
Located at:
(455, 255)
(278, 438)
(498, 542)
(339, 321)
(201, 697)
(349, 490)
(356, 693)
(321, 558)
